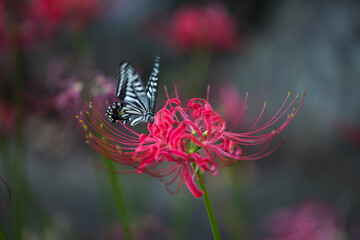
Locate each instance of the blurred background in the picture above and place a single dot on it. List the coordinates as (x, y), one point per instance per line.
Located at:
(57, 54)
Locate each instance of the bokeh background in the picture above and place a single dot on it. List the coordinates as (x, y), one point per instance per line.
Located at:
(57, 54)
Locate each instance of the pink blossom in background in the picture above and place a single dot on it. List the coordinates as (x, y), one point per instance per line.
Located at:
(16, 30)
(71, 94)
(70, 82)
(24, 23)
(75, 90)
(203, 27)
(228, 99)
(170, 151)
(75, 13)
(350, 133)
(149, 227)
(310, 221)
(102, 91)
(2, 26)
(70, 98)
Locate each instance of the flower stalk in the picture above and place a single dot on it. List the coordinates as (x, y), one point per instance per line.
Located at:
(215, 230)
(1, 235)
(209, 209)
(118, 199)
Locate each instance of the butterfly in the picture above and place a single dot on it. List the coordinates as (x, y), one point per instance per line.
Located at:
(137, 103)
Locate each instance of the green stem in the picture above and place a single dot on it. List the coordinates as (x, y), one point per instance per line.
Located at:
(118, 199)
(210, 212)
(1, 236)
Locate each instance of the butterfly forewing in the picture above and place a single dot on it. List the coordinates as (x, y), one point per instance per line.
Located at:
(130, 89)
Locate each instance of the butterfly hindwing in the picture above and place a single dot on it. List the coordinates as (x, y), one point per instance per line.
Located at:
(137, 103)
(152, 85)
(124, 113)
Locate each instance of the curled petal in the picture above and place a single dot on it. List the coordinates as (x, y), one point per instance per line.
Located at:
(189, 181)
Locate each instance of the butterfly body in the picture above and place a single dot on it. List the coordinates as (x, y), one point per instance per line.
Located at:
(136, 102)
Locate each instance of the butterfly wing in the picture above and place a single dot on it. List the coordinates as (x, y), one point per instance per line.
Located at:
(124, 112)
(134, 104)
(130, 89)
(152, 85)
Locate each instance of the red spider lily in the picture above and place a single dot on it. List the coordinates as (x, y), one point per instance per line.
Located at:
(210, 27)
(183, 140)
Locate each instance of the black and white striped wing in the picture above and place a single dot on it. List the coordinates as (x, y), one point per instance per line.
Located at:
(125, 112)
(152, 84)
(130, 88)
(134, 104)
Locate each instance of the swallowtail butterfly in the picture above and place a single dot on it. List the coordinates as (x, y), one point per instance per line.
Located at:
(136, 102)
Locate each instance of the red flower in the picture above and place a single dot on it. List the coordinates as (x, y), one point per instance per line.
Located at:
(209, 27)
(182, 140)
(51, 13)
